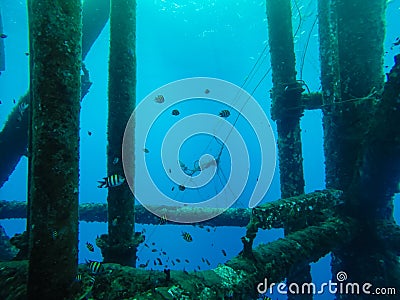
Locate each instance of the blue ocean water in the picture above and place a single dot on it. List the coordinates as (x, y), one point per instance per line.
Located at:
(177, 40)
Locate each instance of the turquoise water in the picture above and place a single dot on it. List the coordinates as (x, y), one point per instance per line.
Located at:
(177, 40)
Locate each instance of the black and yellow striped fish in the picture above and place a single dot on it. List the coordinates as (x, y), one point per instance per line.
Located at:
(91, 280)
(90, 247)
(163, 219)
(95, 267)
(224, 113)
(187, 237)
(111, 181)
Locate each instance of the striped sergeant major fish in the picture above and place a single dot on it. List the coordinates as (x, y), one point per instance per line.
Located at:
(95, 267)
(111, 181)
(90, 247)
(21, 110)
(187, 237)
(163, 219)
(224, 113)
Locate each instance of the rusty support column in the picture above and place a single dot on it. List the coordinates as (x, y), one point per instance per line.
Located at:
(350, 117)
(360, 34)
(286, 111)
(56, 42)
(120, 244)
(330, 82)
(286, 97)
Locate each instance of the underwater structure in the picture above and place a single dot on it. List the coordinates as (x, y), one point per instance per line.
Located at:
(352, 218)
(55, 52)
(119, 246)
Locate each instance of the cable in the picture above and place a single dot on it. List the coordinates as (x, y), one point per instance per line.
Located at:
(305, 48)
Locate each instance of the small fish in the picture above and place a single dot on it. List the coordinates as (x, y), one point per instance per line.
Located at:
(173, 188)
(175, 112)
(89, 133)
(90, 247)
(95, 266)
(203, 260)
(147, 246)
(153, 243)
(154, 250)
(167, 273)
(164, 253)
(144, 265)
(145, 150)
(21, 109)
(14, 101)
(159, 261)
(224, 113)
(163, 219)
(187, 261)
(198, 267)
(187, 237)
(116, 160)
(206, 91)
(111, 181)
(172, 262)
(186, 272)
(181, 187)
(159, 99)
(3, 36)
(223, 252)
(26, 53)
(178, 260)
(91, 280)
(1, 103)
(208, 263)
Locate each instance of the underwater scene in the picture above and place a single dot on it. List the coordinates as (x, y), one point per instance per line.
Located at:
(158, 149)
